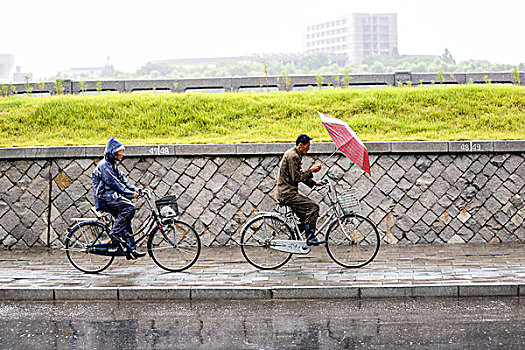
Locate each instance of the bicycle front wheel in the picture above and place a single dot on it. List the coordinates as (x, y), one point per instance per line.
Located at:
(177, 248)
(353, 241)
(256, 242)
(78, 242)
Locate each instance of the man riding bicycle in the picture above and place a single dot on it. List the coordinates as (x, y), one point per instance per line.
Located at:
(290, 175)
(110, 185)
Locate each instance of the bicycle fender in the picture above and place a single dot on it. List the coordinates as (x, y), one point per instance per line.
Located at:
(260, 215)
(81, 223)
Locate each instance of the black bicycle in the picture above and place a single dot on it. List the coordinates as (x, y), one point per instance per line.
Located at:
(172, 244)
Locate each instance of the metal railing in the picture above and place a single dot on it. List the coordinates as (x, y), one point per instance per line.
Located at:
(261, 83)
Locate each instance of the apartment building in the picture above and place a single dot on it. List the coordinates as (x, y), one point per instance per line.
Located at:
(7, 67)
(357, 36)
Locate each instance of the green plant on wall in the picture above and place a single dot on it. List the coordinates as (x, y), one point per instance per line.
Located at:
(286, 79)
(346, 79)
(59, 88)
(319, 81)
(4, 90)
(83, 87)
(29, 88)
(99, 87)
(516, 75)
(13, 89)
(441, 77)
(266, 69)
(336, 78)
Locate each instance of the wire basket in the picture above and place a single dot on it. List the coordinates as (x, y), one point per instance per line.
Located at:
(167, 206)
(349, 201)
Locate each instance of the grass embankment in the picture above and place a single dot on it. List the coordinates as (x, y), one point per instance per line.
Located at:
(468, 112)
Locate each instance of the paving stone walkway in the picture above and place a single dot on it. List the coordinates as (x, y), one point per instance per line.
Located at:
(449, 270)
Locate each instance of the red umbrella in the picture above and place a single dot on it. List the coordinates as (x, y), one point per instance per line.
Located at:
(347, 141)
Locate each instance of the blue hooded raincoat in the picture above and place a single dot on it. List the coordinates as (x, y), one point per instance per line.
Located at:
(108, 181)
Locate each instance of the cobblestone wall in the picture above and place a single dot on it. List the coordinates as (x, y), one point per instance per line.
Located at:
(423, 198)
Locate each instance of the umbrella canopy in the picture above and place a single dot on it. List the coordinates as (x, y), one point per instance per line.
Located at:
(347, 141)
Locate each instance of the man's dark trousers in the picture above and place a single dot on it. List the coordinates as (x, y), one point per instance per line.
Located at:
(305, 208)
(123, 211)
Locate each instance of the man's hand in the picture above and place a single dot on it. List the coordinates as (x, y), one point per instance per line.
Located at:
(316, 168)
(135, 195)
(319, 183)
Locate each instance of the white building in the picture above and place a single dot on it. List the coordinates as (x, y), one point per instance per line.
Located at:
(357, 36)
(7, 68)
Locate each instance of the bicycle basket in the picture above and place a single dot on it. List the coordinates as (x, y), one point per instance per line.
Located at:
(349, 201)
(167, 206)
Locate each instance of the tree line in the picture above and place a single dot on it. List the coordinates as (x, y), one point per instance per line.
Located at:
(313, 64)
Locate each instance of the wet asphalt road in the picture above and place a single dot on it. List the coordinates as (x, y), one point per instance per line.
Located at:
(443, 323)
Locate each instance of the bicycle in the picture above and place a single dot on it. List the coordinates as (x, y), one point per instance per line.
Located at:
(269, 240)
(172, 244)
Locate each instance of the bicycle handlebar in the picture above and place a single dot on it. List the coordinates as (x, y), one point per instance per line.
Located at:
(145, 193)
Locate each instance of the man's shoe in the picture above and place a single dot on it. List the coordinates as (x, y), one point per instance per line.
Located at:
(135, 255)
(310, 235)
(314, 241)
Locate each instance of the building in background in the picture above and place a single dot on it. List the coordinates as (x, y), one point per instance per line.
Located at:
(284, 58)
(21, 77)
(7, 68)
(82, 73)
(356, 36)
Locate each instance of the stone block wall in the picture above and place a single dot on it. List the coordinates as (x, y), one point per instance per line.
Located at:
(443, 192)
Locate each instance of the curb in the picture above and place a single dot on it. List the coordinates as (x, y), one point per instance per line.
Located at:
(247, 293)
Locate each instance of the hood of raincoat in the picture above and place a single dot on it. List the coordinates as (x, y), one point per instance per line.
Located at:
(112, 148)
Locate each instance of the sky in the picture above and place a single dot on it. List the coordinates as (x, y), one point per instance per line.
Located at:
(53, 35)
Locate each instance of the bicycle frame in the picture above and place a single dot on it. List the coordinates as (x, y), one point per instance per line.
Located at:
(326, 218)
(150, 222)
(352, 240)
(147, 226)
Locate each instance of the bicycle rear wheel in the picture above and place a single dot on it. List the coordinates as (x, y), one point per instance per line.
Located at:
(256, 242)
(80, 239)
(354, 242)
(176, 249)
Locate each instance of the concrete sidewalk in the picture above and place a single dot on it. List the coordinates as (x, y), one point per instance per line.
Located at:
(453, 270)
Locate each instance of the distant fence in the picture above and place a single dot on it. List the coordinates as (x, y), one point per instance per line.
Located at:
(261, 83)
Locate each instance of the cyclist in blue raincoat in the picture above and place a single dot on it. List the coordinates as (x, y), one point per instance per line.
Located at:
(113, 193)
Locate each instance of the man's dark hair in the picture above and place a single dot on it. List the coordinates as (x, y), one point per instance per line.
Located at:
(303, 138)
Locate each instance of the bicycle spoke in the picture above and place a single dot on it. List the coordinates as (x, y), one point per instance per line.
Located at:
(175, 249)
(256, 238)
(77, 242)
(353, 241)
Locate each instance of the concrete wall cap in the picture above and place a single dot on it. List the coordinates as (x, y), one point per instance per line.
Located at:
(376, 147)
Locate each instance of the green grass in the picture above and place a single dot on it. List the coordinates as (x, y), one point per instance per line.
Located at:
(468, 112)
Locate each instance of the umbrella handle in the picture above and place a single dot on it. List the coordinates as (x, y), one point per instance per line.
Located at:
(331, 155)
